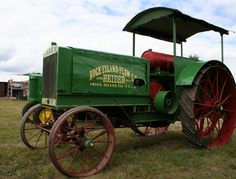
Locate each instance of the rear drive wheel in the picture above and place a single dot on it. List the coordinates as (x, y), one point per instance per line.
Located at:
(207, 108)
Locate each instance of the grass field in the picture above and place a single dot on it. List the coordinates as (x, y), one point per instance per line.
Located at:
(165, 156)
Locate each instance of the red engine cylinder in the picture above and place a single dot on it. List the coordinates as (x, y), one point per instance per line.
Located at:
(164, 61)
(155, 87)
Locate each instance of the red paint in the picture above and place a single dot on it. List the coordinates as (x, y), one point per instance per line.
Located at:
(164, 61)
(155, 87)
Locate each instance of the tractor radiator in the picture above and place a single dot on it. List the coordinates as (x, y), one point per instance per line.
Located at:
(49, 76)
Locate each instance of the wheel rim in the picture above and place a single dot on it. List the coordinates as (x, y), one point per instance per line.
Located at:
(26, 108)
(214, 107)
(81, 142)
(34, 134)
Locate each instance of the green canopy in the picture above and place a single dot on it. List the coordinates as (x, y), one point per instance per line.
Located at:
(158, 23)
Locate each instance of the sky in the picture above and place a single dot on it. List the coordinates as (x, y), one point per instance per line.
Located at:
(28, 27)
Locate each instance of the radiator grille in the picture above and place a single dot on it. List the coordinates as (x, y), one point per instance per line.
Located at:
(49, 76)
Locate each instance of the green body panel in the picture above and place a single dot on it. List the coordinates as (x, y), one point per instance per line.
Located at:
(68, 101)
(35, 88)
(141, 117)
(86, 77)
(186, 70)
(102, 73)
(64, 68)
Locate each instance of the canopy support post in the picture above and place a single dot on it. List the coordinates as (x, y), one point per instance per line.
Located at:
(174, 36)
(222, 48)
(181, 46)
(133, 44)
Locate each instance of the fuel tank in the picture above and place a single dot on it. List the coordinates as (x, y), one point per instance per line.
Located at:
(161, 60)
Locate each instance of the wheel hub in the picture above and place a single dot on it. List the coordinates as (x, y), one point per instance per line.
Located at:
(84, 142)
(89, 143)
(219, 107)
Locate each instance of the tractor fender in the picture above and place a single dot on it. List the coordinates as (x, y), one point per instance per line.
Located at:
(189, 73)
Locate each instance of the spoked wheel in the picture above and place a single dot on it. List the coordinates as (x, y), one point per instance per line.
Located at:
(81, 142)
(151, 131)
(26, 108)
(35, 127)
(207, 108)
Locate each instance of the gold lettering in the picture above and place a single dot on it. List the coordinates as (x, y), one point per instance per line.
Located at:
(104, 78)
(111, 76)
(113, 79)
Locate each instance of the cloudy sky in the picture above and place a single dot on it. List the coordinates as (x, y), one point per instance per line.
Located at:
(28, 27)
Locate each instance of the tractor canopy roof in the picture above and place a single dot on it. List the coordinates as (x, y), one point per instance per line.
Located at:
(158, 23)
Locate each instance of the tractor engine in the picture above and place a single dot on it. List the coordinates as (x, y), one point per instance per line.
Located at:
(162, 97)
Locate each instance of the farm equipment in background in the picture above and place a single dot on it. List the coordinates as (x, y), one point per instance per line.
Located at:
(34, 99)
(89, 93)
(35, 91)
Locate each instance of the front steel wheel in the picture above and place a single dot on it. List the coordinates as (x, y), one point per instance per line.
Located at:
(207, 108)
(35, 127)
(81, 142)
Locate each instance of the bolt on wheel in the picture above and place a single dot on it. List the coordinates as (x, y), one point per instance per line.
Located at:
(81, 142)
(214, 107)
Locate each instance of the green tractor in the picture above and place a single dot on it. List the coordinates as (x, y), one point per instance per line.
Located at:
(89, 93)
(35, 91)
(34, 99)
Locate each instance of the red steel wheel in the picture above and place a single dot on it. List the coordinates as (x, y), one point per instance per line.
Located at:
(81, 142)
(212, 102)
(152, 131)
(33, 133)
(214, 107)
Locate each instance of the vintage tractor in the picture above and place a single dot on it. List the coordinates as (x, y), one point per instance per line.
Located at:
(35, 91)
(89, 93)
(35, 97)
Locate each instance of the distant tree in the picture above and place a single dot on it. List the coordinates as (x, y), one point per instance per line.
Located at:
(194, 57)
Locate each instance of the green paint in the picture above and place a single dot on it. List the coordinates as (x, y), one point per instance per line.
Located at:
(35, 88)
(166, 102)
(99, 73)
(174, 36)
(68, 101)
(186, 70)
(89, 144)
(158, 23)
(82, 74)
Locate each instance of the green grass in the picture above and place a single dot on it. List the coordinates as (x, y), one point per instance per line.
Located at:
(165, 156)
